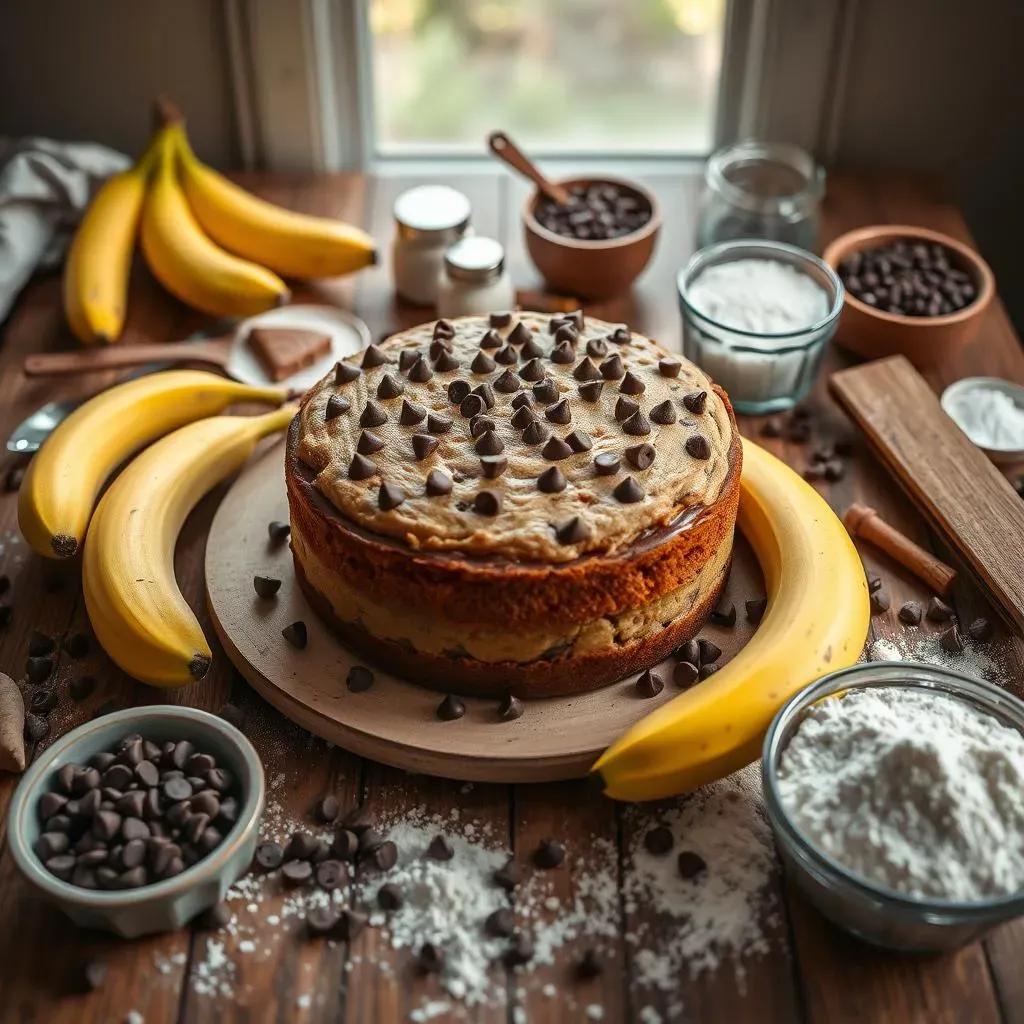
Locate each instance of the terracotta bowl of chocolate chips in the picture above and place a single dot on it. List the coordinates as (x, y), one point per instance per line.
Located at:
(909, 291)
(158, 898)
(596, 247)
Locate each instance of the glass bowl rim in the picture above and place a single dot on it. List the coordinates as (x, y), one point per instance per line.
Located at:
(928, 677)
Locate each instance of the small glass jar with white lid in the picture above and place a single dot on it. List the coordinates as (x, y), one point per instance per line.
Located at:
(475, 280)
(428, 219)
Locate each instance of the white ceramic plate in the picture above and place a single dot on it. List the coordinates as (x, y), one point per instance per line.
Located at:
(955, 393)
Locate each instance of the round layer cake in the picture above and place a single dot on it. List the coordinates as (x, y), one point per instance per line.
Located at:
(514, 503)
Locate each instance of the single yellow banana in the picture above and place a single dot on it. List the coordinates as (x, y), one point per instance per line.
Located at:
(64, 479)
(134, 604)
(187, 263)
(816, 622)
(289, 243)
(99, 259)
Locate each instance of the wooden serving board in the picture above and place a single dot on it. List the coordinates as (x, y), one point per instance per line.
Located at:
(395, 721)
(947, 477)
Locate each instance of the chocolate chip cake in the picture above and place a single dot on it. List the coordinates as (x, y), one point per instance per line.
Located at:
(514, 503)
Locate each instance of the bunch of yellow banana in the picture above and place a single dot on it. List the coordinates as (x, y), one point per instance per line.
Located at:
(209, 242)
(816, 622)
(64, 479)
(135, 607)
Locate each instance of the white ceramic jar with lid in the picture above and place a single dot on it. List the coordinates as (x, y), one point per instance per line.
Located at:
(428, 219)
(475, 280)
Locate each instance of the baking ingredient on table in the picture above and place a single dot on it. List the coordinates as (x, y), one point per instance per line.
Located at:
(973, 658)
(914, 790)
(187, 263)
(761, 297)
(12, 726)
(428, 218)
(816, 621)
(596, 211)
(141, 812)
(65, 477)
(283, 351)
(134, 604)
(908, 277)
(988, 416)
(474, 279)
(99, 259)
(284, 241)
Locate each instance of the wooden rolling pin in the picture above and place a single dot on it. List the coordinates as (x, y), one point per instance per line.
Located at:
(863, 521)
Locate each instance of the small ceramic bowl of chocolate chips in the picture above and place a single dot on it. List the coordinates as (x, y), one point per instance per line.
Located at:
(140, 820)
(595, 246)
(909, 291)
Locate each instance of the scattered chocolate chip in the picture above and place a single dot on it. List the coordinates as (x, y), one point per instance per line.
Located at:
(266, 586)
(597, 348)
(560, 412)
(500, 924)
(423, 445)
(563, 353)
(390, 897)
(632, 384)
(411, 414)
(44, 700)
(361, 468)
(939, 611)
(535, 432)
(439, 423)
(591, 391)
(359, 679)
(556, 449)
(951, 641)
(638, 425)
(39, 644)
(695, 401)
(420, 371)
(664, 413)
(486, 392)
(613, 367)
(724, 614)
(444, 329)
(669, 367)
(451, 708)
(407, 357)
(502, 319)
(879, 602)
(508, 356)
(626, 407)
(39, 669)
(567, 333)
(440, 849)
(369, 443)
(471, 405)
(910, 613)
(697, 447)
(690, 864)
(510, 708)
(640, 456)
(573, 531)
(373, 356)
(709, 652)
(345, 844)
(509, 875)
(980, 630)
(482, 363)
(607, 464)
(549, 854)
(296, 872)
(545, 391)
(345, 373)
(438, 483)
(489, 444)
(350, 924)
(490, 339)
(552, 481)
(390, 496)
(756, 609)
(520, 952)
(628, 491)
(659, 841)
(296, 634)
(507, 383)
(590, 965)
(493, 466)
(650, 684)
(373, 415)
(520, 334)
(331, 875)
(523, 417)
(430, 959)
(532, 371)
(585, 370)
(685, 674)
(480, 424)
(621, 336)
(579, 441)
(321, 921)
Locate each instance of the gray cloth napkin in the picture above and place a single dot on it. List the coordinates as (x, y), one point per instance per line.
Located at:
(44, 187)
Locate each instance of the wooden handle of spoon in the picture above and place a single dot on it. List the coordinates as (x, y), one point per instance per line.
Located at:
(863, 521)
(509, 153)
(63, 364)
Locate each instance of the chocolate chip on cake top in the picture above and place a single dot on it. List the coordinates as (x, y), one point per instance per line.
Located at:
(636, 435)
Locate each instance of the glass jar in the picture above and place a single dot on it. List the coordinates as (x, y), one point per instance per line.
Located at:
(761, 190)
(762, 373)
(475, 280)
(428, 219)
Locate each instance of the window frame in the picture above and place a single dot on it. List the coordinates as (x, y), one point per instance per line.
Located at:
(302, 82)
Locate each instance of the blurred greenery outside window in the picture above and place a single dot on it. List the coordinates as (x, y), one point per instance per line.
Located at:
(561, 76)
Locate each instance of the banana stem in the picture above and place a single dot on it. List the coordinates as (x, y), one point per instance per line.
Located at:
(274, 422)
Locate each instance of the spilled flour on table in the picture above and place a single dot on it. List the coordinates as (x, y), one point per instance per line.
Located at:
(920, 645)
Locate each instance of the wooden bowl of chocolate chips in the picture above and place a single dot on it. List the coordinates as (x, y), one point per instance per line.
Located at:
(596, 246)
(909, 291)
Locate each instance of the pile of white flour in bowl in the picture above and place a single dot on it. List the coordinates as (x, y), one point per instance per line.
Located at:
(913, 790)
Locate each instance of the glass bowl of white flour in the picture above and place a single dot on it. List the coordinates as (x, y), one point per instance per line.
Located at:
(757, 317)
(896, 794)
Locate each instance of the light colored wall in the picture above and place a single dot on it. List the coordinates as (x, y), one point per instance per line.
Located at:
(88, 69)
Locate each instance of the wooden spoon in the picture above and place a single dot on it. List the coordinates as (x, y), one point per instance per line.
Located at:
(213, 353)
(511, 155)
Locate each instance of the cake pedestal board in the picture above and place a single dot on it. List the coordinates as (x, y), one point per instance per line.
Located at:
(395, 721)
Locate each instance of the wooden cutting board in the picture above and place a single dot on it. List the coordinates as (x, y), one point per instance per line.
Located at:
(950, 480)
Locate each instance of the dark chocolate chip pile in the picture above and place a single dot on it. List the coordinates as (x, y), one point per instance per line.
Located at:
(909, 278)
(136, 814)
(595, 212)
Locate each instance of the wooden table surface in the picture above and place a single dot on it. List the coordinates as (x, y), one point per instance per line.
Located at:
(811, 970)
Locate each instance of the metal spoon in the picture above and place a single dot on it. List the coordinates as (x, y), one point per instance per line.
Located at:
(29, 435)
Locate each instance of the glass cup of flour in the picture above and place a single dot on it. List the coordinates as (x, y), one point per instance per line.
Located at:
(757, 317)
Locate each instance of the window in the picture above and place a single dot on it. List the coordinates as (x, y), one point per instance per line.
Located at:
(561, 76)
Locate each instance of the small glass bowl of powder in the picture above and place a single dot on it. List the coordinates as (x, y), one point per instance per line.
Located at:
(896, 794)
(757, 316)
(990, 411)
